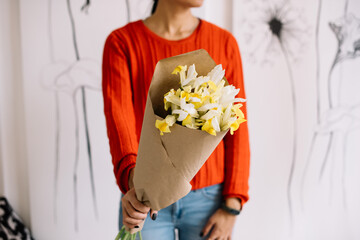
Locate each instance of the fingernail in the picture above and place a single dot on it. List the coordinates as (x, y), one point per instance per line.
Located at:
(201, 234)
(136, 226)
(154, 216)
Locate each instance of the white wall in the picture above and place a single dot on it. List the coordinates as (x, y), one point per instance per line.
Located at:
(13, 158)
(34, 44)
(324, 203)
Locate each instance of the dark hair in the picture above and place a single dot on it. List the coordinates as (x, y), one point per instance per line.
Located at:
(154, 6)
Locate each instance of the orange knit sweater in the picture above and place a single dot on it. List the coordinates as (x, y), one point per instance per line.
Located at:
(129, 59)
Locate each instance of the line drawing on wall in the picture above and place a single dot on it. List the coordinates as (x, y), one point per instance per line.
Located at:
(278, 30)
(63, 77)
(338, 120)
(72, 78)
(84, 109)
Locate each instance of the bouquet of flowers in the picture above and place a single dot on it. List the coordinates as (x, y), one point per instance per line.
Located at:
(202, 102)
(203, 105)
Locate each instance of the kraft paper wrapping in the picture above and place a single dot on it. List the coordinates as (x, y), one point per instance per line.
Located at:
(166, 164)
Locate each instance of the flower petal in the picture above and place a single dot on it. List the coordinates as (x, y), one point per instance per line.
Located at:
(182, 114)
(215, 124)
(217, 74)
(208, 127)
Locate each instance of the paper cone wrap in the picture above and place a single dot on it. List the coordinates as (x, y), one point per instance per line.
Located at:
(166, 164)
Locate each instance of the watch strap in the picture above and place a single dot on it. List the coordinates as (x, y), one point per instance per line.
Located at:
(230, 210)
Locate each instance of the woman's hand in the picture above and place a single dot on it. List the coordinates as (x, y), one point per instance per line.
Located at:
(134, 212)
(221, 223)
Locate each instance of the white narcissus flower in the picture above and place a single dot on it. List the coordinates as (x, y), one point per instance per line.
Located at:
(228, 96)
(182, 114)
(188, 107)
(211, 114)
(208, 106)
(171, 98)
(191, 75)
(215, 124)
(200, 80)
(217, 74)
(226, 118)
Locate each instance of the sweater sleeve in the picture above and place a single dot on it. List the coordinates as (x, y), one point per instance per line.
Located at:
(237, 151)
(119, 110)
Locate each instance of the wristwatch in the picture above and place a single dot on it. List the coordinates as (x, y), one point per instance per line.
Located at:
(230, 210)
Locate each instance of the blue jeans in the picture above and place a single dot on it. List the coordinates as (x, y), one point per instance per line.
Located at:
(188, 215)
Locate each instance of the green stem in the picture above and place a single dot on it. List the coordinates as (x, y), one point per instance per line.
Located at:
(120, 233)
(124, 235)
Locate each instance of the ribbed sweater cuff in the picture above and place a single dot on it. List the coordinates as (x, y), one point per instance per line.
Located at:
(123, 178)
(243, 198)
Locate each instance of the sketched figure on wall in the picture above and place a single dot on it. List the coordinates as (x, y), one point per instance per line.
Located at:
(83, 98)
(70, 78)
(277, 30)
(338, 120)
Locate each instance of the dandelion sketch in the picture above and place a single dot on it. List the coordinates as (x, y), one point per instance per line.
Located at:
(273, 29)
(339, 119)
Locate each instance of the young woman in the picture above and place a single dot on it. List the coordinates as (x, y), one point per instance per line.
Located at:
(221, 186)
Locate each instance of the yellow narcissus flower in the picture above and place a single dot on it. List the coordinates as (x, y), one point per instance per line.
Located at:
(196, 100)
(189, 122)
(235, 125)
(199, 122)
(187, 89)
(185, 95)
(181, 70)
(237, 111)
(208, 127)
(241, 118)
(164, 125)
(212, 86)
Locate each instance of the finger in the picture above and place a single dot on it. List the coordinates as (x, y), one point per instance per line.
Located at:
(215, 234)
(138, 205)
(207, 228)
(125, 222)
(131, 226)
(129, 221)
(133, 213)
(153, 214)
